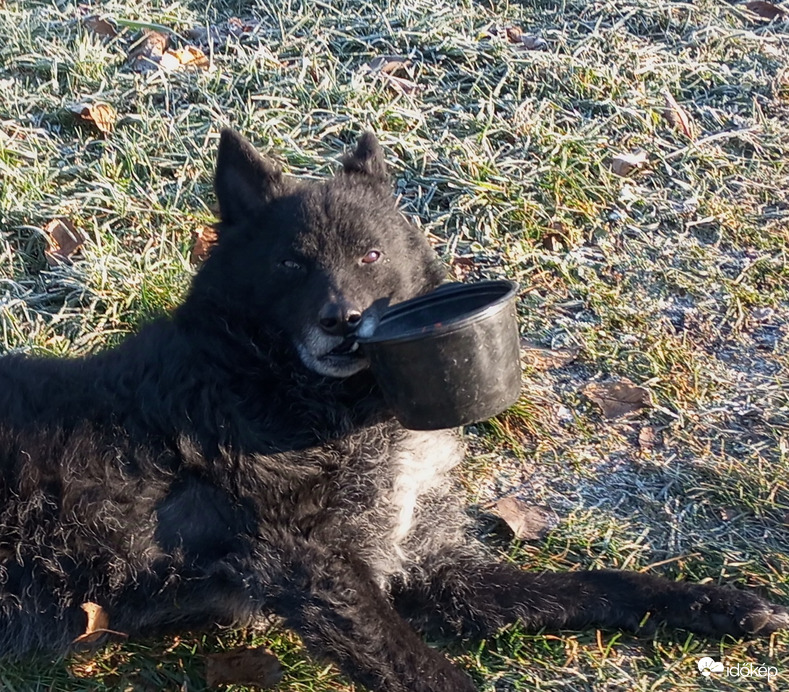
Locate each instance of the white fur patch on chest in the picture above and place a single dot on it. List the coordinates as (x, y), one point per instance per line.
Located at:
(422, 460)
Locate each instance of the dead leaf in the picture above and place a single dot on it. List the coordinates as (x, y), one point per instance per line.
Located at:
(649, 438)
(618, 398)
(65, 239)
(624, 164)
(558, 239)
(766, 9)
(553, 242)
(527, 522)
(256, 667)
(147, 51)
(204, 239)
(514, 34)
(217, 36)
(388, 64)
(530, 42)
(101, 26)
(188, 56)
(462, 266)
(523, 41)
(102, 115)
(674, 115)
(406, 86)
(97, 626)
(541, 358)
(729, 513)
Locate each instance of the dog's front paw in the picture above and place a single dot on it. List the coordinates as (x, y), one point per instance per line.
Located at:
(719, 611)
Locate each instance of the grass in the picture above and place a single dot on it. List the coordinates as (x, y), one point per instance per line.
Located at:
(675, 276)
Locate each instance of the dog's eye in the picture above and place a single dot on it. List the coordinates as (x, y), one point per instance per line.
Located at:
(370, 257)
(290, 264)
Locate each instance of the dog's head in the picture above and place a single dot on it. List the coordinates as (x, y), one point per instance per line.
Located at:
(315, 261)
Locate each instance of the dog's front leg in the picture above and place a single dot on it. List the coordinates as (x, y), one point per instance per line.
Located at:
(465, 596)
(341, 614)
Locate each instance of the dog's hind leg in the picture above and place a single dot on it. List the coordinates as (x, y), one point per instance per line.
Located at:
(334, 604)
(462, 595)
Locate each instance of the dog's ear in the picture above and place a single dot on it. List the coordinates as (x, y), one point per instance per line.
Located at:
(367, 160)
(244, 180)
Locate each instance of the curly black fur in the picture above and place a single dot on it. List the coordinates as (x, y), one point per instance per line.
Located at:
(237, 459)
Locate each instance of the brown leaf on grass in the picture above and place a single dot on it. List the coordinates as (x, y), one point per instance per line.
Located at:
(462, 266)
(388, 64)
(523, 41)
(541, 358)
(405, 86)
(254, 666)
(624, 164)
(530, 42)
(513, 33)
(147, 51)
(766, 9)
(204, 239)
(101, 115)
(675, 115)
(218, 35)
(649, 438)
(557, 240)
(527, 522)
(188, 56)
(100, 26)
(553, 242)
(618, 398)
(97, 625)
(65, 239)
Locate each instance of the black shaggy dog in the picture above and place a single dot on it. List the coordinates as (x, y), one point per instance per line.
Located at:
(237, 460)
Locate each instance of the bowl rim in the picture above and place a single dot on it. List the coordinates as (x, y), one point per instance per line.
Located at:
(509, 289)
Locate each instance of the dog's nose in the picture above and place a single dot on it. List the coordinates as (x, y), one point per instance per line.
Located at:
(338, 320)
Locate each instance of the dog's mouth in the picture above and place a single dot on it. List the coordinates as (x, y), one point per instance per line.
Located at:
(341, 360)
(348, 347)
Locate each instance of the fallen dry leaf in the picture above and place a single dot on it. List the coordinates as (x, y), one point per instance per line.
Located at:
(97, 625)
(729, 513)
(462, 267)
(529, 42)
(649, 438)
(101, 26)
(541, 358)
(256, 667)
(102, 115)
(147, 51)
(64, 240)
(557, 239)
(218, 35)
(188, 56)
(523, 41)
(204, 239)
(388, 64)
(624, 164)
(674, 115)
(514, 34)
(399, 84)
(553, 242)
(618, 397)
(766, 9)
(527, 522)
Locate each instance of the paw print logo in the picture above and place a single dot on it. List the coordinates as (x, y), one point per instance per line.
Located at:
(708, 666)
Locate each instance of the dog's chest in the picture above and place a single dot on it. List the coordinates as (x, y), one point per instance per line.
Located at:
(413, 479)
(421, 461)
